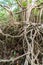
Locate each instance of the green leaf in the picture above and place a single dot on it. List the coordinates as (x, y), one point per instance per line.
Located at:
(36, 12)
(41, 1)
(24, 3)
(14, 53)
(30, 1)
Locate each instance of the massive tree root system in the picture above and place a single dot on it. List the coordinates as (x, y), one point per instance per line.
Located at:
(21, 43)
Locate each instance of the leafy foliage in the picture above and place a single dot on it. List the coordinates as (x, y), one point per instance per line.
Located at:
(30, 1)
(36, 12)
(24, 3)
(4, 16)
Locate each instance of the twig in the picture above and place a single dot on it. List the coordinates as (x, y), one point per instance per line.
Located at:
(19, 4)
(20, 11)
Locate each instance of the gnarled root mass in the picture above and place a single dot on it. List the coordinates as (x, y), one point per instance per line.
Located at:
(21, 42)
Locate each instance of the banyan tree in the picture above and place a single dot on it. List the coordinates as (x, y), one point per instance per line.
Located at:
(21, 42)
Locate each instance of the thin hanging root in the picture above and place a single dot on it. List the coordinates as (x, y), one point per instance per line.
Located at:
(32, 45)
(41, 14)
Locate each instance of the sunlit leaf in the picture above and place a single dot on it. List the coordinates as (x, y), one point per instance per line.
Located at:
(24, 3)
(30, 1)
